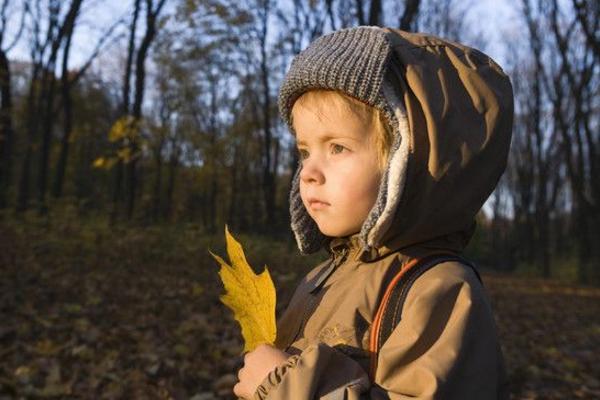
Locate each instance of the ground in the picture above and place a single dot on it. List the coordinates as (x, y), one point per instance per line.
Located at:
(104, 312)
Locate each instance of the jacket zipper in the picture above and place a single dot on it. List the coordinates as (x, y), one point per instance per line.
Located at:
(313, 294)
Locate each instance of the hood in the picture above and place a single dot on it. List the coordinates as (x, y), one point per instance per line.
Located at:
(450, 108)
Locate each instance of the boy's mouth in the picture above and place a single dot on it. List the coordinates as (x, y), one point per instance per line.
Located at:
(317, 204)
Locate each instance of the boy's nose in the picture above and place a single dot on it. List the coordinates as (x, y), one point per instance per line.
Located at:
(311, 173)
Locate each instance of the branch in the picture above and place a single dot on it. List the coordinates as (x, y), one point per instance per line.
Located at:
(591, 38)
(96, 51)
(410, 12)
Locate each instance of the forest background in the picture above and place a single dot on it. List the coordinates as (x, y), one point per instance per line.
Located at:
(131, 132)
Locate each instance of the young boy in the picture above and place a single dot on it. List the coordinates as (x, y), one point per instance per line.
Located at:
(401, 137)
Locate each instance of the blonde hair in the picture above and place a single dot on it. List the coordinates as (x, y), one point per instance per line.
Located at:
(381, 137)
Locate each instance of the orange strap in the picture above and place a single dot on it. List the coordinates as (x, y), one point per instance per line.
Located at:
(376, 325)
(374, 337)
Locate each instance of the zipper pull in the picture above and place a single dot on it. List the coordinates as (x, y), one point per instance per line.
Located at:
(335, 262)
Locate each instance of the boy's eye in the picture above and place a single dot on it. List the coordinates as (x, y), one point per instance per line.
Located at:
(337, 148)
(302, 154)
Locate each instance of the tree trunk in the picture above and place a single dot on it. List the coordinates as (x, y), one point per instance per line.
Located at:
(360, 14)
(171, 183)
(46, 138)
(156, 206)
(65, 30)
(6, 130)
(234, 202)
(268, 177)
(329, 5)
(375, 12)
(32, 127)
(411, 10)
(140, 80)
(67, 123)
(119, 167)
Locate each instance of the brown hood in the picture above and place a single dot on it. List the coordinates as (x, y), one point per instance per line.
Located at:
(459, 107)
(451, 110)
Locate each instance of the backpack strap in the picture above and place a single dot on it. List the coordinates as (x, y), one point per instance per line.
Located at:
(389, 312)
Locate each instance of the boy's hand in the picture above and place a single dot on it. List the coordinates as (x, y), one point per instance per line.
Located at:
(257, 365)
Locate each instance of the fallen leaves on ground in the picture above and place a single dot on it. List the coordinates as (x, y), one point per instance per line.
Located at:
(550, 334)
(135, 313)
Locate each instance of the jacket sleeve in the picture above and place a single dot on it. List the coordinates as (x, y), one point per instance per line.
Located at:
(446, 347)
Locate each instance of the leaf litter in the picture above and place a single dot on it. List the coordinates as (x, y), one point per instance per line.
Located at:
(136, 314)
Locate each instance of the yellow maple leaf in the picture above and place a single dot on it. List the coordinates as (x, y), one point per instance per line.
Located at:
(124, 127)
(105, 162)
(99, 162)
(251, 297)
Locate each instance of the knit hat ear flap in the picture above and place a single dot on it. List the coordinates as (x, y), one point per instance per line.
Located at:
(308, 236)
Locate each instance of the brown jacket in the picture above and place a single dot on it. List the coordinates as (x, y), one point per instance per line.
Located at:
(459, 109)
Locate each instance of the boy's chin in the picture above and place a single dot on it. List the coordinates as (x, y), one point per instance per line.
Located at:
(337, 231)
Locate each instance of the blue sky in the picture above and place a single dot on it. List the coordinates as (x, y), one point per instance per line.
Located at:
(497, 21)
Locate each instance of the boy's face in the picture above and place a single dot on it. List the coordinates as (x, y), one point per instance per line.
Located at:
(340, 175)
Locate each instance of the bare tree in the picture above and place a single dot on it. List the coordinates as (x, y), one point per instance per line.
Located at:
(269, 142)
(152, 12)
(6, 105)
(411, 10)
(588, 17)
(68, 80)
(374, 16)
(64, 31)
(44, 52)
(554, 132)
(35, 96)
(544, 145)
(125, 109)
(580, 77)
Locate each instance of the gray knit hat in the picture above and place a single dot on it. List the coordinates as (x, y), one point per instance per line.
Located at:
(359, 62)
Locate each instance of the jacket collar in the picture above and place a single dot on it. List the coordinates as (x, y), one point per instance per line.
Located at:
(354, 249)
(350, 245)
